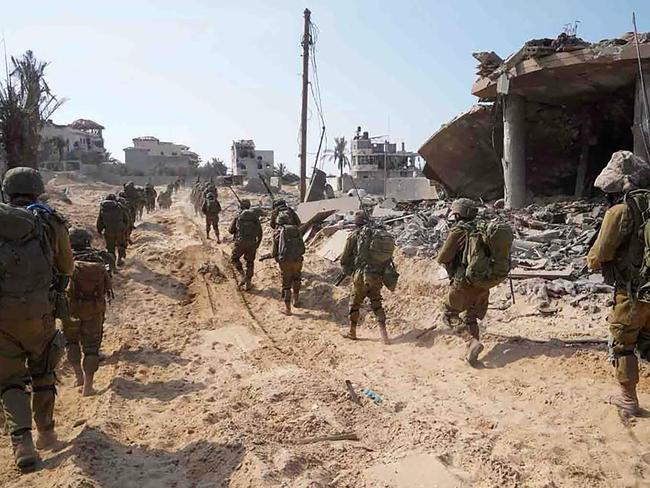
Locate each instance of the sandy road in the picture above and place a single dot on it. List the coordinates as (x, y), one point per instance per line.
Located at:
(204, 386)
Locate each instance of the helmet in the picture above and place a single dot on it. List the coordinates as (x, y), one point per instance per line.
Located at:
(129, 184)
(360, 218)
(245, 204)
(279, 203)
(284, 218)
(121, 194)
(465, 208)
(209, 196)
(111, 196)
(79, 238)
(23, 181)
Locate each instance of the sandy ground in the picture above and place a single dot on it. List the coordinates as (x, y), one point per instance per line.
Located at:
(205, 386)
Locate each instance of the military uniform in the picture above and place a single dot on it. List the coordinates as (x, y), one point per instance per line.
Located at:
(211, 209)
(282, 207)
(84, 327)
(367, 282)
(116, 234)
(29, 347)
(629, 318)
(150, 195)
(288, 250)
(245, 246)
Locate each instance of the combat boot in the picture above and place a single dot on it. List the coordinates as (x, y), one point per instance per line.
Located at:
(78, 374)
(90, 365)
(74, 358)
(384, 333)
(46, 439)
(287, 308)
(25, 454)
(626, 400)
(296, 299)
(352, 333)
(473, 350)
(248, 285)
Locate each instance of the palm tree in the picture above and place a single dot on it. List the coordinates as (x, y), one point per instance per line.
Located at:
(282, 169)
(339, 154)
(26, 102)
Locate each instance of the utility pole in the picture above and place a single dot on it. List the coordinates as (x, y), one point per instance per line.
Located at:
(306, 42)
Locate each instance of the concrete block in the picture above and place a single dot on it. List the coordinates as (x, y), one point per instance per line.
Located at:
(307, 210)
(332, 248)
(410, 189)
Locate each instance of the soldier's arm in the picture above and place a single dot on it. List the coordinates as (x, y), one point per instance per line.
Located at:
(204, 207)
(276, 244)
(274, 219)
(349, 252)
(616, 227)
(63, 257)
(296, 218)
(260, 232)
(453, 244)
(233, 227)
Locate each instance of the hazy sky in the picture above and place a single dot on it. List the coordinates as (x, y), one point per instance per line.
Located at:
(203, 73)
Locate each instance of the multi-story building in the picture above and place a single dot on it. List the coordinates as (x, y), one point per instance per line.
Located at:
(151, 156)
(81, 141)
(249, 162)
(372, 162)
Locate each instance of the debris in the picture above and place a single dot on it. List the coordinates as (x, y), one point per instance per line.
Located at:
(332, 248)
(528, 273)
(624, 172)
(345, 436)
(353, 395)
(373, 396)
(308, 210)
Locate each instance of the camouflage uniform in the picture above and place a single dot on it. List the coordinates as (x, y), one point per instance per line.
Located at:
(116, 236)
(629, 319)
(245, 247)
(366, 283)
(290, 267)
(27, 347)
(211, 209)
(281, 206)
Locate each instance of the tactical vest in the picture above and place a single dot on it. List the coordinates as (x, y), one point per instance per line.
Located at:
(375, 248)
(629, 272)
(291, 247)
(247, 226)
(89, 286)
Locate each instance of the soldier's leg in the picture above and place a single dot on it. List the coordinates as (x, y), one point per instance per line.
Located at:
(215, 227)
(15, 400)
(374, 285)
(110, 245)
(42, 370)
(249, 256)
(357, 296)
(297, 281)
(454, 304)
(478, 300)
(208, 224)
(92, 332)
(235, 258)
(71, 330)
(287, 276)
(624, 329)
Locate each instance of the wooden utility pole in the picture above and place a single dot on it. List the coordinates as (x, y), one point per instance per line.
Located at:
(306, 42)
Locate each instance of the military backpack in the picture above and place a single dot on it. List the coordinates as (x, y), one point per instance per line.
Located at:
(113, 216)
(375, 249)
(212, 207)
(89, 286)
(291, 247)
(247, 226)
(26, 266)
(486, 257)
(631, 269)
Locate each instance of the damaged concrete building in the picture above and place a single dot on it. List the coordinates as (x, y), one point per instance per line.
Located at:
(548, 120)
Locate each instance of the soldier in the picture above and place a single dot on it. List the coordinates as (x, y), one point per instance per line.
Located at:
(130, 213)
(211, 209)
(247, 232)
(619, 253)
(114, 223)
(367, 254)
(141, 203)
(89, 288)
(288, 251)
(150, 196)
(133, 197)
(36, 254)
(279, 207)
(165, 199)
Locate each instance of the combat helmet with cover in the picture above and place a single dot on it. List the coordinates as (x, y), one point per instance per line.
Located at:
(80, 238)
(23, 181)
(464, 208)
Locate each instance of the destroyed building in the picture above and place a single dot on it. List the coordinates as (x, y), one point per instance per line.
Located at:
(374, 162)
(249, 162)
(549, 119)
(151, 156)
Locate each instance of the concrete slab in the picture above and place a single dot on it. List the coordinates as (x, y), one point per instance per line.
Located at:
(381, 212)
(333, 247)
(410, 189)
(307, 210)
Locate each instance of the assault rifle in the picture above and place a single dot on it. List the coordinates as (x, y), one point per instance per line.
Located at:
(266, 257)
(268, 189)
(233, 192)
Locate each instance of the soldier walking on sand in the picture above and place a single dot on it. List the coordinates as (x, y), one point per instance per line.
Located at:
(477, 257)
(368, 257)
(114, 222)
(247, 232)
(36, 260)
(211, 209)
(89, 289)
(620, 253)
(288, 251)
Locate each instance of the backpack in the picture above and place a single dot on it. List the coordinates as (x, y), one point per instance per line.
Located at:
(113, 216)
(247, 226)
(632, 268)
(26, 266)
(89, 286)
(486, 257)
(291, 247)
(375, 249)
(212, 208)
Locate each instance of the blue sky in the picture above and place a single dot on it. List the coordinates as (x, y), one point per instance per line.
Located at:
(204, 72)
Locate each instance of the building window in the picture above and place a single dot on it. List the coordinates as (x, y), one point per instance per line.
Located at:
(259, 165)
(162, 153)
(174, 154)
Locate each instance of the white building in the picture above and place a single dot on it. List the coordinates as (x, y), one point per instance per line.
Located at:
(250, 162)
(151, 156)
(82, 140)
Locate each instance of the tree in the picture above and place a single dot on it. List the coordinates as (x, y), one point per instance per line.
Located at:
(282, 169)
(339, 154)
(217, 166)
(26, 102)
